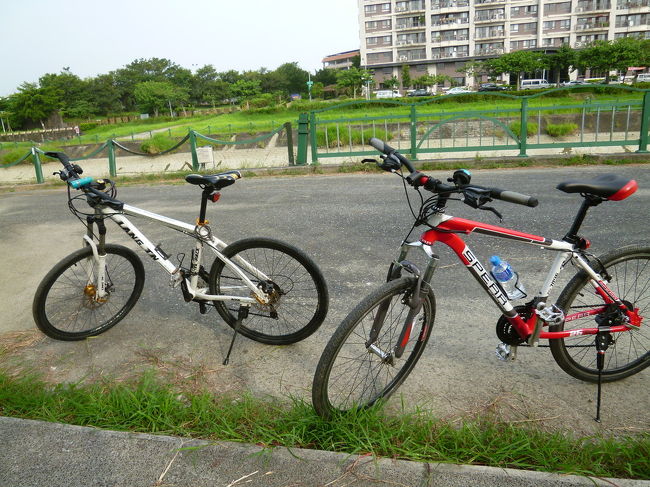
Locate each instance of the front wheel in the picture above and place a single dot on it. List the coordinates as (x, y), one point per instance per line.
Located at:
(629, 351)
(355, 371)
(298, 298)
(66, 306)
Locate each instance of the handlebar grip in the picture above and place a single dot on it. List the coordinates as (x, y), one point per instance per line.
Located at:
(514, 197)
(384, 148)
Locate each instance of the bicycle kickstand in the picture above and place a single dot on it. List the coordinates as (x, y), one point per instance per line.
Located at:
(602, 343)
(242, 314)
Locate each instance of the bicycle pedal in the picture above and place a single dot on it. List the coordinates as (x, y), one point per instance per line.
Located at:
(203, 309)
(505, 352)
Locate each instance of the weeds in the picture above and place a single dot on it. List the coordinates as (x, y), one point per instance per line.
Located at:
(145, 404)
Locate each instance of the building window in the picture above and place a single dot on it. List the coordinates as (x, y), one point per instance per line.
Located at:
(377, 8)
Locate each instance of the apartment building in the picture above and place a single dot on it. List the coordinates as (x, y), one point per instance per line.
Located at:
(441, 36)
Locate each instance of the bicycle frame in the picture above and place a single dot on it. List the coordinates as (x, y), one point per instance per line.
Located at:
(203, 236)
(447, 230)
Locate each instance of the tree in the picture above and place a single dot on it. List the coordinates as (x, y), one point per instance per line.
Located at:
(326, 76)
(519, 62)
(351, 80)
(406, 77)
(246, 89)
(287, 78)
(32, 104)
(391, 83)
(104, 94)
(431, 80)
(154, 96)
(615, 55)
(563, 60)
(70, 89)
(208, 87)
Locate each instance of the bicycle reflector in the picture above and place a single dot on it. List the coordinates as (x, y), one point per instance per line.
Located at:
(214, 197)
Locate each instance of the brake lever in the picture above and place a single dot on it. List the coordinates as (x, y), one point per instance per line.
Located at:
(493, 210)
(363, 161)
(478, 201)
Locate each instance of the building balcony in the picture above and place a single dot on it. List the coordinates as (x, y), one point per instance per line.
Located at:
(439, 39)
(450, 22)
(633, 4)
(490, 51)
(489, 18)
(450, 55)
(410, 25)
(490, 35)
(593, 7)
(411, 42)
(592, 26)
(488, 3)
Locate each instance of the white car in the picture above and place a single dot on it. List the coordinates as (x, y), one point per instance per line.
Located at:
(457, 90)
(574, 83)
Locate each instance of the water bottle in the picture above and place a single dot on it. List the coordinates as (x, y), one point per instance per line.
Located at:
(508, 278)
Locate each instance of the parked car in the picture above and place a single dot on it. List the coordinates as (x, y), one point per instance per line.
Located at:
(534, 84)
(420, 92)
(388, 94)
(575, 82)
(457, 90)
(643, 78)
(491, 87)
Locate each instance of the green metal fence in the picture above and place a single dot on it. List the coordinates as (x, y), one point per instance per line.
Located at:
(194, 138)
(424, 128)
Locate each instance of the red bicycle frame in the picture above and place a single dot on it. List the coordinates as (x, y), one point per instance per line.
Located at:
(448, 230)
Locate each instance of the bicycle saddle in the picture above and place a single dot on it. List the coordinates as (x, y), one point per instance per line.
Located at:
(216, 181)
(608, 186)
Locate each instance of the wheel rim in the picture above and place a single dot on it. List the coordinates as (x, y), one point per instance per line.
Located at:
(358, 376)
(630, 280)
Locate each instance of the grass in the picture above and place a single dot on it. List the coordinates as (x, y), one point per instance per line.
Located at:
(147, 405)
(561, 129)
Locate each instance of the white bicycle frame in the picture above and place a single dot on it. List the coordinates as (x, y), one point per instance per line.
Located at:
(203, 236)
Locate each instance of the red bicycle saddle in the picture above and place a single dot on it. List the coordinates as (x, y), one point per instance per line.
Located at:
(608, 186)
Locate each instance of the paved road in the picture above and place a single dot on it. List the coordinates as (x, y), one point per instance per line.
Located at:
(351, 225)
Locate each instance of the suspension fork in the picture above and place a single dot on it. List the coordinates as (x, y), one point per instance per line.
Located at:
(97, 268)
(414, 300)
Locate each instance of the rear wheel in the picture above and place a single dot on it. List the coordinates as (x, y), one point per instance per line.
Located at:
(298, 298)
(628, 352)
(65, 305)
(355, 372)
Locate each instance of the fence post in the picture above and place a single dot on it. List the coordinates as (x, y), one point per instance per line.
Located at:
(111, 158)
(645, 123)
(303, 132)
(523, 132)
(414, 134)
(312, 136)
(37, 166)
(287, 129)
(195, 157)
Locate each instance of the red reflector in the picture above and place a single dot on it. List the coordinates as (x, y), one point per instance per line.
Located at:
(214, 197)
(587, 244)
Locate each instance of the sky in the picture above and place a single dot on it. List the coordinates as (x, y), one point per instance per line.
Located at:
(91, 38)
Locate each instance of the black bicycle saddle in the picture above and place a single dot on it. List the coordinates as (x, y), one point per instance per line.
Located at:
(608, 186)
(216, 181)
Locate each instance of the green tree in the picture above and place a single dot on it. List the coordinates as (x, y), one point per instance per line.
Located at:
(326, 76)
(431, 80)
(562, 60)
(154, 96)
(287, 78)
(32, 104)
(70, 89)
(519, 62)
(406, 77)
(391, 83)
(208, 87)
(606, 56)
(352, 80)
(246, 89)
(104, 94)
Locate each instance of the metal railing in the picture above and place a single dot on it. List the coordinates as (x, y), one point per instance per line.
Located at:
(422, 128)
(193, 137)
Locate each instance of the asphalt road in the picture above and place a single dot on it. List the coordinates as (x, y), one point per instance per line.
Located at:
(352, 226)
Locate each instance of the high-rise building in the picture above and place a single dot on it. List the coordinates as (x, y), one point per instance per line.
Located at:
(441, 36)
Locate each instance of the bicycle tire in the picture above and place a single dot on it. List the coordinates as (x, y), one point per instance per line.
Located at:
(64, 307)
(300, 299)
(629, 268)
(348, 375)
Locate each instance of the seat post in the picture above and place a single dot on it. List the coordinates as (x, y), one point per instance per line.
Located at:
(589, 201)
(204, 203)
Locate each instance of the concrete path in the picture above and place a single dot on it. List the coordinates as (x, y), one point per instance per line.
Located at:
(37, 454)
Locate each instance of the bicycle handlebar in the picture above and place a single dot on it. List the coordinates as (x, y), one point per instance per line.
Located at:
(416, 178)
(70, 175)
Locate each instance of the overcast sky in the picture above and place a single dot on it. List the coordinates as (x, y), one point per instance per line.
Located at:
(91, 38)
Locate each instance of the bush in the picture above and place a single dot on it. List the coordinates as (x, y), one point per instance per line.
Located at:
(358, 136)
(157, 144)
(516, 128)
(15, 154)
(561, 129)
(86, 126)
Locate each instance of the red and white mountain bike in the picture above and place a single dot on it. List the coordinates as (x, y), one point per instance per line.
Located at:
(595, 329)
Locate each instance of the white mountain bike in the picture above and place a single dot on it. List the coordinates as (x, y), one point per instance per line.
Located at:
(265, 289)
